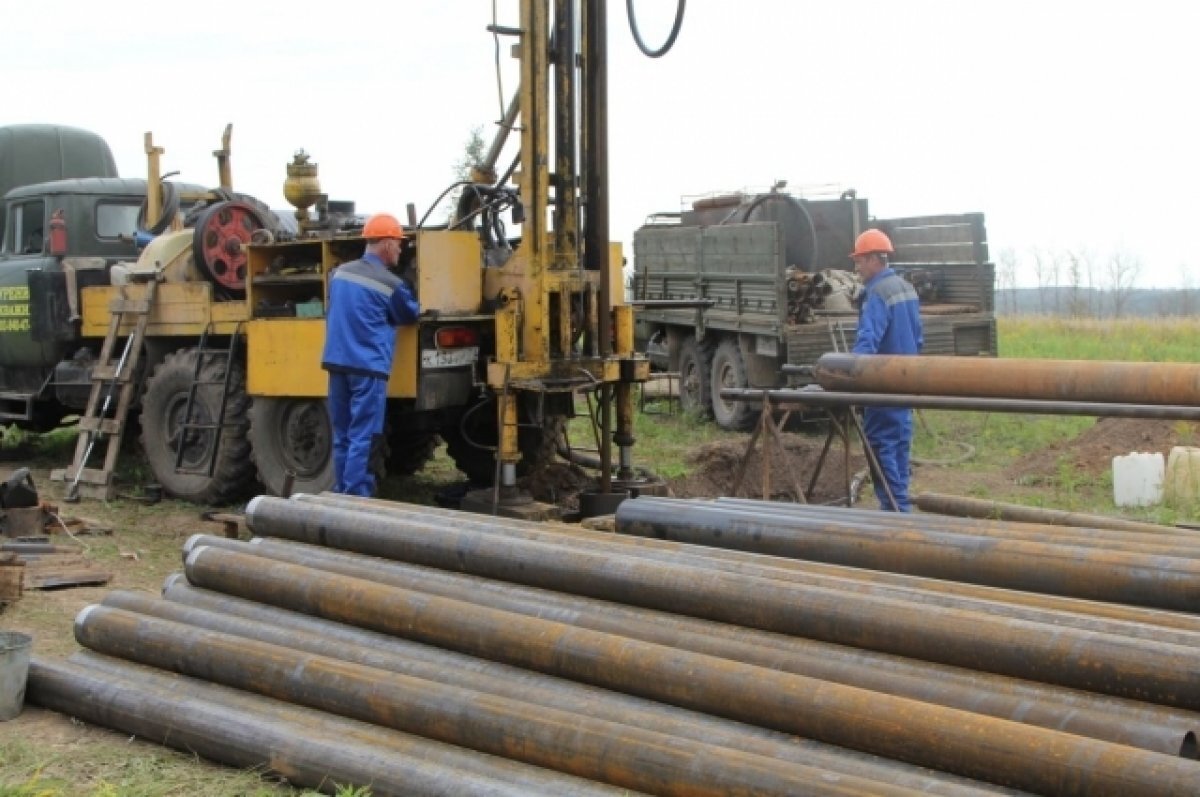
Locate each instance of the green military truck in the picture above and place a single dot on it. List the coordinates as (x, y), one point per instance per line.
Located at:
(773, 273)
(46, 169)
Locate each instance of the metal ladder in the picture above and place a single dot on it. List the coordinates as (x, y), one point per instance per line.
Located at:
(109, 380)
(189, 427)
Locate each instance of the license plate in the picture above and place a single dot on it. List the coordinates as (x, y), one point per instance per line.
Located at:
(449, 358)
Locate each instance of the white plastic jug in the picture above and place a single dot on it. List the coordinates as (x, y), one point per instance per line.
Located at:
(1138, 479)
(1182, 482)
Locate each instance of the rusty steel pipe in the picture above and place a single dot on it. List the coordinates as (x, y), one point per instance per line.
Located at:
(1013, 378)
(1137, 724)
(1182, 542)
(1153, 580)
(964, 506)
(981, 520)
(834, 518)
(790, 397)
(464, 770)
(922, 590)
(964, 743)
(307, 747)
(610, 752)
(1066, 656)
(753, 564)
(346, 643)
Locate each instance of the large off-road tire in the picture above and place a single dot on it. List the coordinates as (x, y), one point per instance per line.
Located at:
(471, 443)
(163, 406)
(292, 434)
(729, 371)
(694, 393)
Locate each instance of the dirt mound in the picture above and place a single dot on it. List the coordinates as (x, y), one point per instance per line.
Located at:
(715, 467)
(1092, 452)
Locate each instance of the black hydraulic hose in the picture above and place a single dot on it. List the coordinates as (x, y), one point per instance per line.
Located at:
(170, 207)
(437, 201)
(637, 35)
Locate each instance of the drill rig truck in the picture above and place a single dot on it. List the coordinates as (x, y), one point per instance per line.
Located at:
(769, 276)
(233, 391)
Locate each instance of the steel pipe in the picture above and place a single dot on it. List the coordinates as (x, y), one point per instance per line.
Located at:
(1153, 580)
(1137, 724)
(750, 563)
(833, 518)
(1048, 609)
(790, 397)
(1013, 378)
(964, 506)
(610, 752)
(979, 516)
(1069, 657)
(279, 627)
(972, 745)
(309, 748)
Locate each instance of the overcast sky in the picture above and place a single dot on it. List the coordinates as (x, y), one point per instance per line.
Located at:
(1069, 124)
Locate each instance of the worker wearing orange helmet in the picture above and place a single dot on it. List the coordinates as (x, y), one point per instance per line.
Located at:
(367, 301)
(889, 323)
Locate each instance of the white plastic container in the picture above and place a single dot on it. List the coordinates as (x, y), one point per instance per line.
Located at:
(1181, 485)
(1138, 479)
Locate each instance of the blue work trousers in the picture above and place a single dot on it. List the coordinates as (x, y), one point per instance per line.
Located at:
(356, 407)
(889, 431)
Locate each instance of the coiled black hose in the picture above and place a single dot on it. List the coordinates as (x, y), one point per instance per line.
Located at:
(637, 35)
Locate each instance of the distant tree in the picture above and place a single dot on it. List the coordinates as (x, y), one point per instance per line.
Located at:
(1006, 278)
(1123, 272)
(1077, 304)
(1043, 272)
(473, 152)
(1187, 293)
(1088, 258)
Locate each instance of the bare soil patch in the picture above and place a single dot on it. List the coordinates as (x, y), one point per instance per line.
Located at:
(716, 466)
(1092, 452)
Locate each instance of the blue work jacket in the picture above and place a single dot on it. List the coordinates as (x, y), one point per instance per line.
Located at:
(890, 321)
(366, 303)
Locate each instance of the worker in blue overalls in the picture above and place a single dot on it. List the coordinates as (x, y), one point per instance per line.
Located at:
(366, 303)
(889, 323)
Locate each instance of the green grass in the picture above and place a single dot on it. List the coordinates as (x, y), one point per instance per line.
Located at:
(1126, 339)
(110, 767)
(1000, 439)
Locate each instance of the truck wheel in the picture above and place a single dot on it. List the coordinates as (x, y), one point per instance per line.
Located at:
(163, 406)
(694, 392)
(292, 434)
(728, 371)
(471, 443)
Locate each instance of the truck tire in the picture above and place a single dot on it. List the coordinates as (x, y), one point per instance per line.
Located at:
(471, 443)
(729, 371)
(695, 395)
(163, 406)
(292, 434)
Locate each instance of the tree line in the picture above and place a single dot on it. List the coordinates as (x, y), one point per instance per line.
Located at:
(1082, 283)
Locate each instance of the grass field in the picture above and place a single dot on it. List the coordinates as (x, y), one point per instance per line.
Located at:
(1132, 339)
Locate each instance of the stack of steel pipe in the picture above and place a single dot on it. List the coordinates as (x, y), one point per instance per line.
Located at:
(1157, 571)
(665, 667)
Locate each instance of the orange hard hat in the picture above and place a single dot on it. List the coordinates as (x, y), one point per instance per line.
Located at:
(872, 242)
(382, 225)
